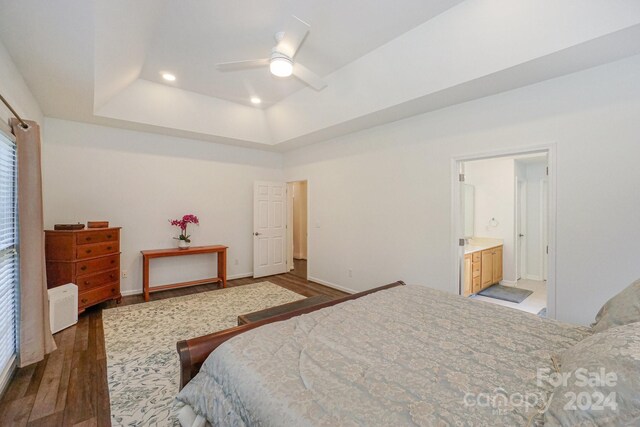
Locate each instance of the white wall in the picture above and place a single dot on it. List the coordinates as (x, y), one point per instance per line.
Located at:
(139, 181)
(380, 199)
(494, 181)
(15, 90)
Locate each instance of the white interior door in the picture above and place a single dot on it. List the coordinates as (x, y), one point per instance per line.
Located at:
(269, 228)
(545, 228)
(521, 238)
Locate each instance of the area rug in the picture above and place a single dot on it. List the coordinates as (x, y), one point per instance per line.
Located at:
(140, 341)
(506, 293)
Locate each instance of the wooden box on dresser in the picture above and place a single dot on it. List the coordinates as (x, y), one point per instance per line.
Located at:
(89, 258)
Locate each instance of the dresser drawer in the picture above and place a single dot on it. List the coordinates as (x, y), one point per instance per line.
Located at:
(98, 249)
(95, 265)
(97, 295)
(89, 237)
(94, 280)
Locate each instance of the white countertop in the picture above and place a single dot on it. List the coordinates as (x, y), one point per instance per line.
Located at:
(480, 244)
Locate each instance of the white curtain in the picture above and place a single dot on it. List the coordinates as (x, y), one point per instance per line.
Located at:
(35, 339)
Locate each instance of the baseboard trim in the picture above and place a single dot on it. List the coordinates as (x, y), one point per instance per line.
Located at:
(508, 282)
(232, 277)
(240, 276)
(331, 285)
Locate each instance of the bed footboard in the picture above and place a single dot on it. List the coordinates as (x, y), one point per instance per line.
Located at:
(194, 352)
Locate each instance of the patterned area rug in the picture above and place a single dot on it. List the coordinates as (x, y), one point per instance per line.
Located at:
(140, 339)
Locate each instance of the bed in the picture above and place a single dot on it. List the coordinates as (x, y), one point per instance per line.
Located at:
(398, 355)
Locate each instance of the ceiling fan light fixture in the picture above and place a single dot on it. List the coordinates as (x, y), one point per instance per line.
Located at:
(281, 66)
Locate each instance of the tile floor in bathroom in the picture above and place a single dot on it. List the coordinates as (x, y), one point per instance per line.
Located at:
(532, 304)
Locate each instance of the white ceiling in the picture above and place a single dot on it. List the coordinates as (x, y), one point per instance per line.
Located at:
(191, 36)
(100, 61)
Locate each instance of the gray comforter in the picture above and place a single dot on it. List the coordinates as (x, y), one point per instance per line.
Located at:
(405, 356)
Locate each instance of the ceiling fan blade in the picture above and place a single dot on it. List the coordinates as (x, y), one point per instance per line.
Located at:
(308, 76)
(294, 33)
(242, 65)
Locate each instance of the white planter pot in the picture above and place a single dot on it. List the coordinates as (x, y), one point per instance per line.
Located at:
(183, 244)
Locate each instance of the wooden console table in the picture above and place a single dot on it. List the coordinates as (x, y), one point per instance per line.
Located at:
(196, 250)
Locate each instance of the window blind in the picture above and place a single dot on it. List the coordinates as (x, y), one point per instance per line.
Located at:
(8, 253)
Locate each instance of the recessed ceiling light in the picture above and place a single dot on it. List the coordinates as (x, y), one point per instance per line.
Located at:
(168, 77)
(255, 100)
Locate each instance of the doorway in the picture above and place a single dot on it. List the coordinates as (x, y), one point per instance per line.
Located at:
(503, 213)
(297, 229)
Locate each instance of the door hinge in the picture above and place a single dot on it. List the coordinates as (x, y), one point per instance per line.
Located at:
(547, 249)
(547, 171)
(461, 177)
(460, 242)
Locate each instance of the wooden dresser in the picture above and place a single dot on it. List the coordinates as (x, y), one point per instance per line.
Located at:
(89, 258)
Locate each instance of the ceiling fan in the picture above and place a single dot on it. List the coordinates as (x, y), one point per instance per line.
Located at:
(281, 63)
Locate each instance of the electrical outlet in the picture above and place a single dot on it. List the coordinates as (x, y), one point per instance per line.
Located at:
(235, 262)
(125, 274)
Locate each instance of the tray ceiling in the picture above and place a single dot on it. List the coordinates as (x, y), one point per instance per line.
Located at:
(101, 61)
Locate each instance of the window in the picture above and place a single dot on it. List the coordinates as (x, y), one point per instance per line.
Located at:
(8, 255)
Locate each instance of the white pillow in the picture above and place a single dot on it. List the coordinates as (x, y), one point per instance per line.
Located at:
(602, 385)
(622, 309)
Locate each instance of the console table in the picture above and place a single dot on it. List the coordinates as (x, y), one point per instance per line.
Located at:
(196, 250)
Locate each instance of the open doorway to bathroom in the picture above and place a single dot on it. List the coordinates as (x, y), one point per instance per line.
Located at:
(297, 193)
(504, 215)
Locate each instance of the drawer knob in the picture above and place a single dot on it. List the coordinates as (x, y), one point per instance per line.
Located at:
(84, 300)
(111, 276)
(113, 290)
(113, 261)
(88, 251)
(83, 268)
(86, 282)
(108, 248)
(88, 238)
(108, 236)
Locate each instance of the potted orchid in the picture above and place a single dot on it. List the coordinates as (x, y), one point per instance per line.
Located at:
(183, 240)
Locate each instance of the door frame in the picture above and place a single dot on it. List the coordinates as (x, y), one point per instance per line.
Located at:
(290, 224)
(457, 218)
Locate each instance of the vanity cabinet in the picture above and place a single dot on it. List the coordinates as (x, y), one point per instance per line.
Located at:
(482, 269)
(476, 270)
(472, 273)
(491, 266)
(468, 283)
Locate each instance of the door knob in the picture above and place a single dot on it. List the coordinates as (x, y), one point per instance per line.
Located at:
(256, 233)
(521, 235)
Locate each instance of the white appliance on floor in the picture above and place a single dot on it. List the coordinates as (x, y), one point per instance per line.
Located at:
(63, 307)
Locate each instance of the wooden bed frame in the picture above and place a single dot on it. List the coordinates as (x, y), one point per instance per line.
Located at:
(194, 352)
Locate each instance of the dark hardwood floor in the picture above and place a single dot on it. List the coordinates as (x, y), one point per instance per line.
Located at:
(69, 387)
(299, 268)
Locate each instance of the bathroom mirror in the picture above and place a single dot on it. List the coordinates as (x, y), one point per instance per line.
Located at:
(469, 210)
